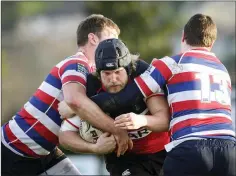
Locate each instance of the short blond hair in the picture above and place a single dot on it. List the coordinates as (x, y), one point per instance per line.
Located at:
(94, 23)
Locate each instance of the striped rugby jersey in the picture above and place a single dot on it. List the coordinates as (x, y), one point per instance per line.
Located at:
(198, 91)
(33, 131)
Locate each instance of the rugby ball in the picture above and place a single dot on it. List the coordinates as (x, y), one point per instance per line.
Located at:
(88, 132)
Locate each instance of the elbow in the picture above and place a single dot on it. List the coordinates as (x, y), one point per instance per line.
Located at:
(166, 126)
(162, 123)
(166, 121)
(162, 127)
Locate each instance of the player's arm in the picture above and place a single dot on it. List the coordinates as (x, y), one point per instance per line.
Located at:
(76, 98)
(70, 139)
(73, 76)
(158, 120)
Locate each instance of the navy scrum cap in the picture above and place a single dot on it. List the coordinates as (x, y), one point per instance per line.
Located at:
(112, 54)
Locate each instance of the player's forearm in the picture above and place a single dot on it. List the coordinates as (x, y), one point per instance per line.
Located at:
(158, 122)
(90, 112)
(70, 140)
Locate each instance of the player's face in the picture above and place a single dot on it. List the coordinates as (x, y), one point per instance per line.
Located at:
(114, 80)
(108, 33)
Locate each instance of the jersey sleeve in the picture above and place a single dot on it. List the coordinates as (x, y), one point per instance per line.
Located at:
(74, 70)
(155, 78)
(71, 124)
(161, 93)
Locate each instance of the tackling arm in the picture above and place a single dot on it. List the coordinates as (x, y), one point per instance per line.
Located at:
(76, 98)
(160, 118)
(70, 139)
(158, 121)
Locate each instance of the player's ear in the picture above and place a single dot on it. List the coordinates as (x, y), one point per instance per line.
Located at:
(183, 36)
(93, 39)
(212, 44)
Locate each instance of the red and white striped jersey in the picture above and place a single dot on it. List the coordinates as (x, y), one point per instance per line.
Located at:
(33, 131)
(198, 90)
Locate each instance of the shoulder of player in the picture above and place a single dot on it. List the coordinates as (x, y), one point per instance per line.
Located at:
(74, 59)
(173, 58)
(139, 67)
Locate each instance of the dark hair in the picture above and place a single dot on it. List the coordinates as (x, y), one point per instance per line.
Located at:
(95, 23)
(200, 31)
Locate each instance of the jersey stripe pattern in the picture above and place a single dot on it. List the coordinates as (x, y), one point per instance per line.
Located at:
(33, 131)
(198, 91)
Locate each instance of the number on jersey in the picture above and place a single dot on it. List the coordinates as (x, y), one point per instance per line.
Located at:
(222, 95)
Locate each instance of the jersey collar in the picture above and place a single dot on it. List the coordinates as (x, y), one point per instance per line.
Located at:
(201, 49)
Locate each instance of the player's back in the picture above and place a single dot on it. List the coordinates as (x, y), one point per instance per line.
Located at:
(33, 131)
(199, 97)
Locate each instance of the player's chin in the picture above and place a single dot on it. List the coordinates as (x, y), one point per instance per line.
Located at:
(115, 89)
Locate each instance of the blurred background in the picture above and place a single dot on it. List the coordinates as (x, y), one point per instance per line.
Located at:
(37, 35)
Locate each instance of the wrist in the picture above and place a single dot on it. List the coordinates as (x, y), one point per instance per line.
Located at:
(117, 131)
(93, 148)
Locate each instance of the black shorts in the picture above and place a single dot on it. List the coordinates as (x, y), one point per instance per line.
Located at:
(13, 164)
(135, 164)
(210, 157)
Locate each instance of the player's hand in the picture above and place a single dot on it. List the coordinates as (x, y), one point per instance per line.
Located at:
(130, 121)
(123, 141)
(65, 111)
(106, 143)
